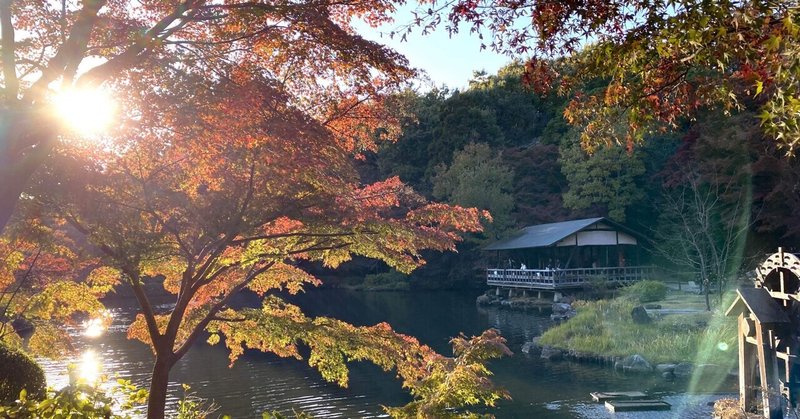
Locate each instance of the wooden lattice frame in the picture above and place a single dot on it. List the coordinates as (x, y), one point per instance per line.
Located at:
(779, 276)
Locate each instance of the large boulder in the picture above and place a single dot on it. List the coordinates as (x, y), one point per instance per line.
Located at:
(684, 369)
(552, 354)
(636, 363)
(562, 311)
(662, 368)
(639, 315)
(530, 348)
(560, 308)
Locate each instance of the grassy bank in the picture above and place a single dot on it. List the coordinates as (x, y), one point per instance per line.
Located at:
(605, 328)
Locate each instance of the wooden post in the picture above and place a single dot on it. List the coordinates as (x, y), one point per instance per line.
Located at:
(768, 374)
(747, 361)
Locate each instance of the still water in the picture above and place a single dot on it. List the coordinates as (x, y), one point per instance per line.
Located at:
(260, 382)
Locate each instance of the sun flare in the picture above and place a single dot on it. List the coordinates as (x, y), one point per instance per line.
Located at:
(87, 111)
(94, 328)
(89, 368)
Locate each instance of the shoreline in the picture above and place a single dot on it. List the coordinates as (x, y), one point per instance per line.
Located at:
(672, 337)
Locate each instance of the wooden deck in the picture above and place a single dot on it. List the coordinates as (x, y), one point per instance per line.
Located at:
(555, 279)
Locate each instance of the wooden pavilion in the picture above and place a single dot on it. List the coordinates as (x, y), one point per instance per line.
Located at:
(567, 255)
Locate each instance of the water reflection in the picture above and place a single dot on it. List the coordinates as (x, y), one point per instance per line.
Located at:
(88, 371)
(260, 382)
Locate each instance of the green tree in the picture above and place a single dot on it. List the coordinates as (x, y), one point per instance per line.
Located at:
(478, 177)
(496, 109)
(607, 178)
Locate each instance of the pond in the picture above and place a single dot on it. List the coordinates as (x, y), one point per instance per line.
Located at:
(260, 382)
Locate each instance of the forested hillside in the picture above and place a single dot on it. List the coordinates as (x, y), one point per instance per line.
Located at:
(500, 146)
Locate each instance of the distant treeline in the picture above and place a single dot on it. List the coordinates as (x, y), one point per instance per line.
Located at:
(709, 189)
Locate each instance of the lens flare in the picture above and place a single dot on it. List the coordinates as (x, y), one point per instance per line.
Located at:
(86, 111)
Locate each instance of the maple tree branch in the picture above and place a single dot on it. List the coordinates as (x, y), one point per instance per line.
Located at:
(286, 235)
(242, 37)
(343, 112)
(223, 319)
(133, 276)
(162, 29)
(250, 191)
(200, 327)
(147, 308)
(176, 317)
(8, 51)
(220, 245)
(199, 283)
(71, 52)
(244, 5)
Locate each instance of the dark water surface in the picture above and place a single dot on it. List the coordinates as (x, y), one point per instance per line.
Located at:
(259, 382)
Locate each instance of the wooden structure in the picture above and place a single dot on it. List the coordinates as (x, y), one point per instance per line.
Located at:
(604, 396)
(636, 405)
(628, 401)
(557, 279)
(769, 324)
(568, 254)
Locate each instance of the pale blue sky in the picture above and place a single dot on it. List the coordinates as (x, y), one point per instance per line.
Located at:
(447, 61)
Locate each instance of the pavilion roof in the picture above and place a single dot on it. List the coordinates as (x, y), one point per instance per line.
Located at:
(543, 235)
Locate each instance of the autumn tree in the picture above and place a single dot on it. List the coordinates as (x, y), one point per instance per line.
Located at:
(53, 49)
(659, 61)
(232, 196)
(45, 283)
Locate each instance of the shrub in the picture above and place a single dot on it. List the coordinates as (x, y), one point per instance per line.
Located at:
(647, 291)
(386, 280)
(80, 400)
(17, 372)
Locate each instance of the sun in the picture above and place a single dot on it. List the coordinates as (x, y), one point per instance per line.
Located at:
(86, 111)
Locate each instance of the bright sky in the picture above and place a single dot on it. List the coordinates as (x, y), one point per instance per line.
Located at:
(447, 61)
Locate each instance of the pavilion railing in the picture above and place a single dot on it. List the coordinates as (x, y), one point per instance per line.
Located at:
(565, 278)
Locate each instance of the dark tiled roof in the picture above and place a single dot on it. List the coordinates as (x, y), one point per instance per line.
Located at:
(760, 303)
(543, 235)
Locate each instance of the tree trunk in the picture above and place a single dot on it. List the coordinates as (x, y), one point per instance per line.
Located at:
(25, 142)
(159, 380)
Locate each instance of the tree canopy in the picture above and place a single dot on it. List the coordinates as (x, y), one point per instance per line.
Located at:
(309, 51)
